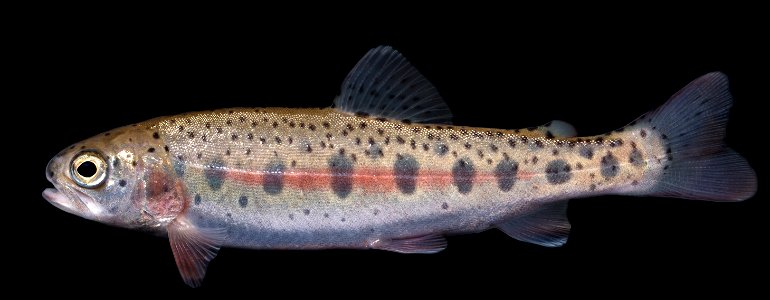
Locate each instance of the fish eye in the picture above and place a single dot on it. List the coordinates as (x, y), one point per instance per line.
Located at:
(88, 169)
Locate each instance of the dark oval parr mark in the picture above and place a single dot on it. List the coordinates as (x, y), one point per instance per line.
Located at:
(273, 183)
(405, 170)
(215, 174)
(558, 172)
(609, 166)
(463, 174)
(342, 175)
(506, 172)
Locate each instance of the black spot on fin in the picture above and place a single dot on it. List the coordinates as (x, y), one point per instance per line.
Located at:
(701, 166)
(384, 84)
(547, 226)
(425, 244)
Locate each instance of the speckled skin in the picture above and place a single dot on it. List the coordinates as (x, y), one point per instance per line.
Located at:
(281, 178)
(226, 160)
(363, 175)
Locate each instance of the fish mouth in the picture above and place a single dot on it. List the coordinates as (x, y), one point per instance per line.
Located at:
(74, 202)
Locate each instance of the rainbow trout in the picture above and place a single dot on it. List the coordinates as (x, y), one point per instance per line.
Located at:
(383, 169)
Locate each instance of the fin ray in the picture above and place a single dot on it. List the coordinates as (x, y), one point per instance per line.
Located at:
(547, 226)
(693, 123)
(426, 244)
(193, 248)
(384, 84)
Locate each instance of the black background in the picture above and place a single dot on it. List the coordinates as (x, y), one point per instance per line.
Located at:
(82, 74)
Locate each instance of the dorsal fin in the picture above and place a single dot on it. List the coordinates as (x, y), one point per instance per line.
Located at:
(384, 84)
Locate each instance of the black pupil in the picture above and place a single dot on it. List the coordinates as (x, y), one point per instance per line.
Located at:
(87, 169)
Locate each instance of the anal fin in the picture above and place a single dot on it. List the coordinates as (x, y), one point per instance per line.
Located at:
(547, 226)
(426, 244)
(193, 248)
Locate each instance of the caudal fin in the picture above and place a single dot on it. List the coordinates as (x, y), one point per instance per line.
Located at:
(701, 166)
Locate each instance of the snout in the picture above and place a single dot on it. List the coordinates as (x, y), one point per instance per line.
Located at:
(66, 197)
(50, 169)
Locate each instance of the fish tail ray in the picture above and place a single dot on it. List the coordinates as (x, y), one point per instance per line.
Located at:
(692, 124)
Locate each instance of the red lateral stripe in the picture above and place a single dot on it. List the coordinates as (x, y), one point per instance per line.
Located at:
(371, 180)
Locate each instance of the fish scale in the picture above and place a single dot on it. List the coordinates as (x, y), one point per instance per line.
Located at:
(384, 169)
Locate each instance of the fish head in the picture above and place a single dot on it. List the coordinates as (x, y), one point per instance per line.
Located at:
(105, 179)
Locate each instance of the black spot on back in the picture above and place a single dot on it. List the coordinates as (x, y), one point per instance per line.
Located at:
(342, 175)
(609, 166)
(405, 169)
(273, 182)
(586, 152)
(558, 172)
(243, 201)
(463, 174)
(505, 172)
(197, 199)
(442, 149)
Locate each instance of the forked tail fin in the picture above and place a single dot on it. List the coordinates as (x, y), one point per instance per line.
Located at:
(692, 124)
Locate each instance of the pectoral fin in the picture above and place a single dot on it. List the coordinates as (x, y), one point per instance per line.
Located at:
(193, 248)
